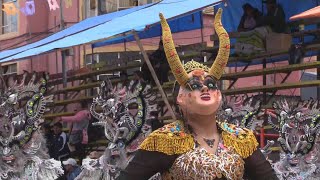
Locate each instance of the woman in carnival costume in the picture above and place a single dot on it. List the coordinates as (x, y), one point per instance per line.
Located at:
(22, 146)
(199, 146)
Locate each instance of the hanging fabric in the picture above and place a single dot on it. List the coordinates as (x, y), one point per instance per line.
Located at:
(29, 8)
(10, 8)
(53, 5)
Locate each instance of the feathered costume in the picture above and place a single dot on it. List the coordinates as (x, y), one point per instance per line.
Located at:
(22, 146)
(298, 126)
(241, 111)
(127, 116)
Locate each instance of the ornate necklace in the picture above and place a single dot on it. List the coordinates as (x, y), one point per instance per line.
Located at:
(209, 142)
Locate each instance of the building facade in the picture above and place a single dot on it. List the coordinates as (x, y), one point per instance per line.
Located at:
(19, 29)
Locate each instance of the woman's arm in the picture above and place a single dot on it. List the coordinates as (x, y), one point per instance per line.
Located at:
(76, 118)
(257, 167)
(145, 164)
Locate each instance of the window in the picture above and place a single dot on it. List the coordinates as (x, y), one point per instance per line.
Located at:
(98, 7)
(208, 10)
(9, 23)
(89, 60)
(107, 6)
(89, 8)
(142, 2)
(124, 4)
(9, 69)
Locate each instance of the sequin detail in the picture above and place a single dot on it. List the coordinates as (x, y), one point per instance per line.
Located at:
(199, 164)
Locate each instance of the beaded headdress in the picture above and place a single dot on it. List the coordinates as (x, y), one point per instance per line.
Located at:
(298, 125)
(297, 121)
(128, 113)
(193, 65)
(179, 71)
(242, 111)
(23, 151)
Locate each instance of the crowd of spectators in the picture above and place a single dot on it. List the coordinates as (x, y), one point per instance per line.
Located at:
(255, 27)
(67, 139)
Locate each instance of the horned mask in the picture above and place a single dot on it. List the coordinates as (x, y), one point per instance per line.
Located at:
(181, 72)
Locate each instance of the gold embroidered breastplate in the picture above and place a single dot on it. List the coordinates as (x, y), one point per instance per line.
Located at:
(195, 162)
(199, 164)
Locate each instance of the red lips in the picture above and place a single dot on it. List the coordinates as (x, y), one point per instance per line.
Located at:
(205, 97)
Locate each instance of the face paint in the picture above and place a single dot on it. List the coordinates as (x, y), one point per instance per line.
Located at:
(195, 83)
(200, 96)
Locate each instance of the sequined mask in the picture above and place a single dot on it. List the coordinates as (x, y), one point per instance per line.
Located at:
(298, 126)
(196, 84)
(22, 107)
(127, 115)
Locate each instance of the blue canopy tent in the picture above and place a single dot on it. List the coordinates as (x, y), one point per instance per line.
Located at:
(185, 23)
(231, 18)
(232, 10)
(117, 25)
(131, 22)
(76, 28)
(112, 26)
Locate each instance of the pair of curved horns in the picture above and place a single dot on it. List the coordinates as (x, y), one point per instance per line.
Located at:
(173, 59)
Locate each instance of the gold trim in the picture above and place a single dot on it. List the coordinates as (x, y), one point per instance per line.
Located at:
(193, 65)
(224, 48)
(171, 53)
(243, 142)
(169, 140)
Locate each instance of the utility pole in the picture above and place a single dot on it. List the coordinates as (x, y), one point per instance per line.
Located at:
(61, 16)
(63, 55)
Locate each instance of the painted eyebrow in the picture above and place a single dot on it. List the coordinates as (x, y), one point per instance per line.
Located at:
(209, 76)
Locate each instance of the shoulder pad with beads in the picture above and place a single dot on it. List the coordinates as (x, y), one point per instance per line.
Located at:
(170, 139)
(242, 140)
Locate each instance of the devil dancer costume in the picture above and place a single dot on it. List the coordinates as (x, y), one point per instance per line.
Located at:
(22, 148)
(127, 116)
(177, 150)
(298, 126)
(241, 111)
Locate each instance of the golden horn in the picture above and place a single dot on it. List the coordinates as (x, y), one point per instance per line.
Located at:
(172, 56)
(224, 48)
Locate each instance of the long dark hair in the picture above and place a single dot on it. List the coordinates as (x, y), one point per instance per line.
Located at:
(175, 93)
